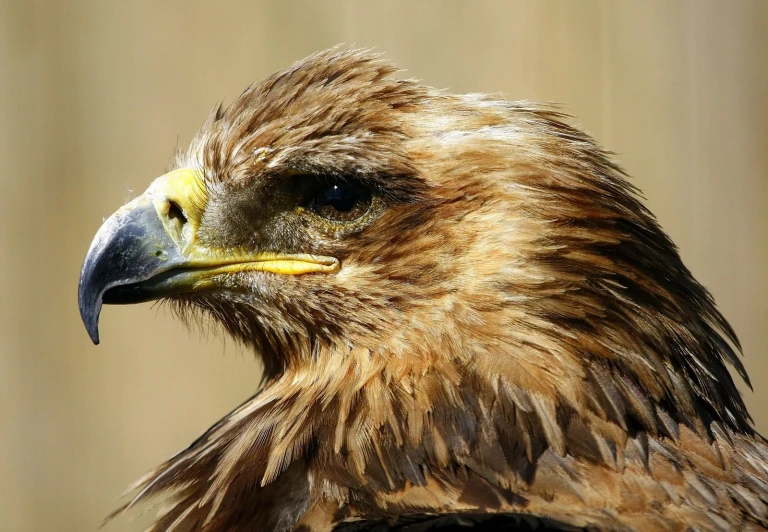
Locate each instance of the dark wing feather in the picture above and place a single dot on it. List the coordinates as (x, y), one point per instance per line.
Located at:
(457, 523)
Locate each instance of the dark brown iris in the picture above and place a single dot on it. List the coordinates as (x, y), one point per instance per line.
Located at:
(340, 202)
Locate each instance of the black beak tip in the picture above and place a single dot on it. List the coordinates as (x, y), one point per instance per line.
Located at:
(93, 330)
(90, 308)
(94, 334)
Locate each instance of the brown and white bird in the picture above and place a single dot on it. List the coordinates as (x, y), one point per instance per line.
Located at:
(466, 318)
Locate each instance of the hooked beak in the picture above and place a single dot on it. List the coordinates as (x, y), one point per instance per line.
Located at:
(149, 249)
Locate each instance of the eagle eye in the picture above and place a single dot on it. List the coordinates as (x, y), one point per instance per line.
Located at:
(340, 202)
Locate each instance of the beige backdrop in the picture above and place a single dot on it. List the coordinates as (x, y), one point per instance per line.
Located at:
(94, 96)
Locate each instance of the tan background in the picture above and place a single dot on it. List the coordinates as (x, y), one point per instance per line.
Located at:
(95, 95)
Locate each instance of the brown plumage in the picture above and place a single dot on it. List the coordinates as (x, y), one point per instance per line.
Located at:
(508, 338)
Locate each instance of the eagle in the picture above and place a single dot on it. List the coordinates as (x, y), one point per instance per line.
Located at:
(465, 313)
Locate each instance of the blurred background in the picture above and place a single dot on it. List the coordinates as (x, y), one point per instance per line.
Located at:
(95, 96)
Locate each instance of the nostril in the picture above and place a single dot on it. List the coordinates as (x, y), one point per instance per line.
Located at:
(177, 219)
(176, 215)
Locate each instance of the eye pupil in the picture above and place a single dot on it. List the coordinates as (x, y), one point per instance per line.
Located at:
(340, 202)
(341, 198)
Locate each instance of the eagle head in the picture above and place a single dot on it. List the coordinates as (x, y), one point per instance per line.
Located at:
(451, 294)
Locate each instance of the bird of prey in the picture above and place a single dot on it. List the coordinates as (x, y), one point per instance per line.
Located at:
(466, 317)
